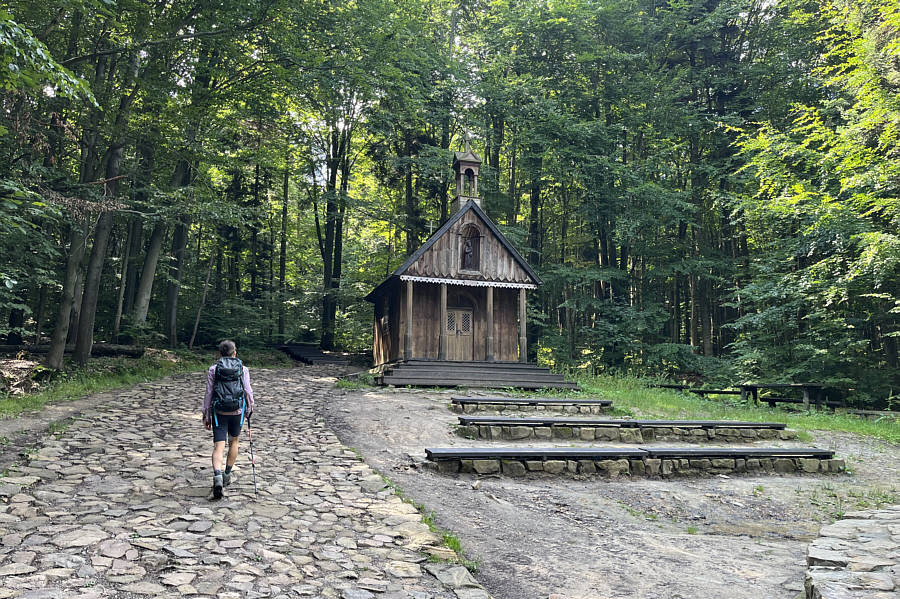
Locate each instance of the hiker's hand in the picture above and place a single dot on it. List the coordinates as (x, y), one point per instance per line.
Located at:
(207, 423)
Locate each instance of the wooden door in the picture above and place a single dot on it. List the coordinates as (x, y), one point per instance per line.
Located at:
(460, 340)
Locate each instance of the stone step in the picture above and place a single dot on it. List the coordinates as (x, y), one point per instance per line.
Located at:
(623, 431)
(446, 381)
(469, 405)
(616, 461)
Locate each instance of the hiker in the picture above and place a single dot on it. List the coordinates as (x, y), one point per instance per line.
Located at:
(229, 399)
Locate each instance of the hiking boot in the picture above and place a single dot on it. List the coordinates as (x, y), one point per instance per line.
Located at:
(217, 486)
(226, 478)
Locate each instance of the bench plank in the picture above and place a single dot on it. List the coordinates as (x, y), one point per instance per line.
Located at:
(530, 401)
(555, 421)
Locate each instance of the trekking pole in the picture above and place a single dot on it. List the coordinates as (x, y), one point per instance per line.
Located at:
(252, 463)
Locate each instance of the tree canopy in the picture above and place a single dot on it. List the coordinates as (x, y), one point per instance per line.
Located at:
(709, 189)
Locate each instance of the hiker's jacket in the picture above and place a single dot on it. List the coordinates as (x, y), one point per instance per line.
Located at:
(210, 380)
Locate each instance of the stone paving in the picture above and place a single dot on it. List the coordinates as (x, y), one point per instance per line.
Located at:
(117, 505)
(856, 557)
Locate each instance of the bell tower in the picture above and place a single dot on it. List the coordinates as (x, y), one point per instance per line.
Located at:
(465, 165)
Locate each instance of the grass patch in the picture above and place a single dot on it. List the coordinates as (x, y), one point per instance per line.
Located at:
(103, 374)
(362, 381)
(633, 395)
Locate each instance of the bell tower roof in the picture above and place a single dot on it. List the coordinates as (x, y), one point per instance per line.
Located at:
(467, 157)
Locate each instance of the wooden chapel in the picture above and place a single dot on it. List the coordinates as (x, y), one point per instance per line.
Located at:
(461, 296)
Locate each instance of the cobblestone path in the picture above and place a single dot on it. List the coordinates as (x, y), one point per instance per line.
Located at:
(116, 505)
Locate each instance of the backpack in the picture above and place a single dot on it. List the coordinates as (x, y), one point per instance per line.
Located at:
(228, 385)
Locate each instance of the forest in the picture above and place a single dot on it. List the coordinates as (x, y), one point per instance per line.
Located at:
(710, 189)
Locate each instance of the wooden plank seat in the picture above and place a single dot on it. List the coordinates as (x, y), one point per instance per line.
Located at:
(617, 461)
(624, 431)
(699, 391)
(531, 404)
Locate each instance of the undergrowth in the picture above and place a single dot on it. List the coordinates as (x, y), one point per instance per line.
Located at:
(631, 396)
(103, 374)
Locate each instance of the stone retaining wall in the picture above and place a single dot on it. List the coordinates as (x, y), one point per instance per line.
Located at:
(544, 409)
(639, 467)
(621, 434)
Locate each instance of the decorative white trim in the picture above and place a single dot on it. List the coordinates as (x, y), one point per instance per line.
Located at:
(467, 283)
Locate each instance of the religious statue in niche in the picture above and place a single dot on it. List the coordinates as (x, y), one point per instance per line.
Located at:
(468, 261)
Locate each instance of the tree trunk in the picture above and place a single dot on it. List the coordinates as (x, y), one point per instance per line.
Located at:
(179, 244)
(123, 280)
(282, 261)
(534, 227)
(40, 314)
(75, 317)
(212, 256)
(85, 339)
(148, 273)
(134, 251)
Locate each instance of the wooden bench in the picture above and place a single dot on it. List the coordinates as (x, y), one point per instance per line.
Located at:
(616, 461)
(623, 431)
(698, 391)
(573, 405)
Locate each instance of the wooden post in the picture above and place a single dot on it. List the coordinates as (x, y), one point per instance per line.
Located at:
(523, 348)
(489, 350)
(442, 347)
(407, 337)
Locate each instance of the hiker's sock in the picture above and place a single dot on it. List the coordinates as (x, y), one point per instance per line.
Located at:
(226, 476)
(228, 469)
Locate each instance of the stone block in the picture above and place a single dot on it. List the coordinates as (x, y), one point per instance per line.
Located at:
(836, 465)
(766, 464)
(572, 466)
(663, 431)
(701, 464)
(784, 465)
(728, 433)
(668, 467)
(584, 409)
(636, 467)
(767, 433)
(652, 466)
(554, 466)
(543, 432)
(496, 432)
(513, 468)
(570, 409)
(613, 468)
(534, 465)
(683, 464)
(586, 433)
(749, 433)
(787, 435)
(563, 432)
(699, 434)
(740, 465)
(519, 432)
(586, 467)
(753, 464)
(679, 432)
(628, 435)
(809, 464)
(606, 433)
(484, 432)
(486, 466)
(466, 466)
(448, 466)
(723, 463)
(648, 434)
(470, 408)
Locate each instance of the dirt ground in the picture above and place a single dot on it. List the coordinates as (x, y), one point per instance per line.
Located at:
(739, 537)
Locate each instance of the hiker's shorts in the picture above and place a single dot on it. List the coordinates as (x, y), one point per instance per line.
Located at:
(229, 424)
